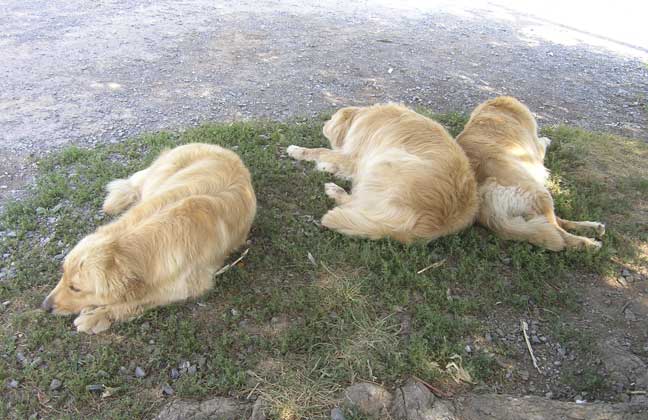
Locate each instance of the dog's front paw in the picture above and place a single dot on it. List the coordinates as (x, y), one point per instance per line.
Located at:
(600, 230)
(92, 321)
(295, 152)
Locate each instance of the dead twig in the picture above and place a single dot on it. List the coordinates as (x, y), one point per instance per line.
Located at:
(626, 306)
(436, 391)
(230, 265)
(525, 328)
(435, 265)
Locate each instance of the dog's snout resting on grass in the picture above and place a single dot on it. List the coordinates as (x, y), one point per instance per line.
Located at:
(507, 155)
(183, 216)
(411, 181)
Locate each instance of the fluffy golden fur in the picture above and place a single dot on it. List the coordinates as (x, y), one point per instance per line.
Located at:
(190, 209)
(411, 180)
(507, 156)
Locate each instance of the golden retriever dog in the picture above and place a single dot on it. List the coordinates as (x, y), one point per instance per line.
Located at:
(411, 180)
(188, 210)
(507, 156)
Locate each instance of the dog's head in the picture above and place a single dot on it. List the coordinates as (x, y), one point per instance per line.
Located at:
(92, 276)
(335, 129)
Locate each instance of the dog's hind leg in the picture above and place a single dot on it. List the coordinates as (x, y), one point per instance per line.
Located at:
(598, 228)
(328, 160)
(122, 193)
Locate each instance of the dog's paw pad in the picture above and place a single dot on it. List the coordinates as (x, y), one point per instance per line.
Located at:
(295, 152)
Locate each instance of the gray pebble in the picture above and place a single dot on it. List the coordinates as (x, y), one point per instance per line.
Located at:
(55, 384)
(336, 414)
(167, 390)
(191, 370)
(12, 384)
(139, 372)
(174, 374)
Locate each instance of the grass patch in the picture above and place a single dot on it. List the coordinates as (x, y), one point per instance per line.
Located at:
(303, 330)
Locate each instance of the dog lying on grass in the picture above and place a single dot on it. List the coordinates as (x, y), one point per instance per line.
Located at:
(501, 142)
(188, 210)
(410, 179)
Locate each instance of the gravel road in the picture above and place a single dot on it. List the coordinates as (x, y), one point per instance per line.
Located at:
(84, 72)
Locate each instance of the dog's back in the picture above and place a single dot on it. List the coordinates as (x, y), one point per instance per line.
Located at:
(412, 179)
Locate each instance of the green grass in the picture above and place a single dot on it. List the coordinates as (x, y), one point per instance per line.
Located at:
(294, 325)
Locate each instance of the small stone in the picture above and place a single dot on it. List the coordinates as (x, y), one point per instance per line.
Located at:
(549, 395)
(489, 337)
(625, 272)
(174, 374)
(139, 372)
(535, 339)
(630, 316)
(468, 349)
(524, 374)
(167, 390)
(11, 234)
(234, 312)
(103, 374)
(192, 370)
(22, 359)
(557, 363)
(337, 414)
(55, 384)
(12, 384)
(145, 326)
(95, 388)
(36, 362)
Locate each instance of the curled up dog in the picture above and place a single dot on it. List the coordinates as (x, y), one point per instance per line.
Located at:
(411, 181)
(182, 216)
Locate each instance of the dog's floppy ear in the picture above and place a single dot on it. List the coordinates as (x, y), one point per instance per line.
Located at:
(116, 276)
(338, 126)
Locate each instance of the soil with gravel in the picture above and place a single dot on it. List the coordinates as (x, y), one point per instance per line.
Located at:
(76, 72)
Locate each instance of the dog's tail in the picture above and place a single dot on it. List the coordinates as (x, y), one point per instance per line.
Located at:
(121, 195)
(368, 224)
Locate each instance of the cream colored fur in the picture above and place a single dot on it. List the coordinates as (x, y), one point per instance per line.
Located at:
(183, 216)
(507, 156)
(410, 179)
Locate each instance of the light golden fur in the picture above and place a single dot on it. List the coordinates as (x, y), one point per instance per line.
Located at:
(190, 209)
(507, 156)
(411, 180)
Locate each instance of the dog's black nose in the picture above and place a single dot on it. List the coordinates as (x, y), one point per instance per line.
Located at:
(47, 305)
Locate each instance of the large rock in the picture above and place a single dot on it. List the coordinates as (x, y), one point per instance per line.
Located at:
(415, 402)
(623, 366)
(505, 407)
(216, 408)
(369, 399)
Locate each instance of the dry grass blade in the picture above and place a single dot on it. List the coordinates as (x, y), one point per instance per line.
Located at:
(456, 370)
(435, 265)
(525, 328)
(230, 265)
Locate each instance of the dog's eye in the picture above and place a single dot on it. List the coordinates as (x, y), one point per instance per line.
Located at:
(74, 289)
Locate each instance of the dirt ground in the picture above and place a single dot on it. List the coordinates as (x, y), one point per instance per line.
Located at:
(90, 72)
